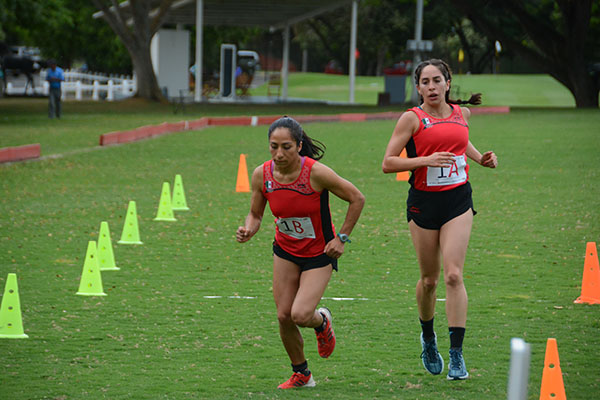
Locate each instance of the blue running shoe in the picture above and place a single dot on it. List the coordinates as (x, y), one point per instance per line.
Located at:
(457, 370)
(431, 357)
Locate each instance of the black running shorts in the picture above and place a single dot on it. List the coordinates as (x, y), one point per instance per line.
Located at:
(306, 263)
(431, 210)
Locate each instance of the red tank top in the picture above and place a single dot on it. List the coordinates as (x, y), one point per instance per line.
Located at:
(302, 218)
(434, 135)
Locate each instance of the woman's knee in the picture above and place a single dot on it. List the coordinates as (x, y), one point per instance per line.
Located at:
(285, 317)
(302, 317)
(453, 278)
(429, 283)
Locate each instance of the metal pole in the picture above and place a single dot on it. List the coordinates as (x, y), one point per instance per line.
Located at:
(352, 67)
(285, 65)
(199, 50)
(417, 56)
(519, 369)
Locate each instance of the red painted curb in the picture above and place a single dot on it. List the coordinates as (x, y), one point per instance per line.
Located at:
(229, 121)
(198, 123)
(19, 153)
(353, 117)
(267, 120)
(144, 132)
(317, 118)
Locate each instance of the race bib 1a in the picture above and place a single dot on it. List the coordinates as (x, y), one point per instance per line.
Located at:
(443, 176)
(299, 228)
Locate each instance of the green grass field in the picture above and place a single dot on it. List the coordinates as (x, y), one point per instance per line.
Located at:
(497, 90)
(156, 335)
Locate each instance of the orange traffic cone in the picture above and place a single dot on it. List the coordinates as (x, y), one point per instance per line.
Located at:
(590, 286)
(552, 381)
(404, 175)
(242, 184)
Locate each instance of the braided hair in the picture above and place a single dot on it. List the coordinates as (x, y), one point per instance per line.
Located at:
(310, 147)
(447, 73)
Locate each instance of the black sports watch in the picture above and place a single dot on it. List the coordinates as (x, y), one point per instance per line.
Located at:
(344, 238)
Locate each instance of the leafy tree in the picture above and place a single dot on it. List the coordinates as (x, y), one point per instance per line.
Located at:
(137, 37)
(64, 30)
(559, 37)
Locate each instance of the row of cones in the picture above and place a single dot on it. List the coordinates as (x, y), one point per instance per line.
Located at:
(99, 257)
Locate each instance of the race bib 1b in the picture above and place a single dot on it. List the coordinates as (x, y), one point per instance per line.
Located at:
(443, 176)
(299, 228)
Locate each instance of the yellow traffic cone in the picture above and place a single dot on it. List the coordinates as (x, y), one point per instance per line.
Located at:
(90, 283)
(106, 257)
(11, 323)
(165, 211)
(179, 203)
(131, 232)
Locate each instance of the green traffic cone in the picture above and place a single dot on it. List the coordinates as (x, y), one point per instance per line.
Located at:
(106, 257)
(165, 211)
(179, 203)
(11, 323)
(91, 280)
(131, 232)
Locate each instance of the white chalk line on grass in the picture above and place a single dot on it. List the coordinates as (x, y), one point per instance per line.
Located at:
(256, 297)
(323, 298)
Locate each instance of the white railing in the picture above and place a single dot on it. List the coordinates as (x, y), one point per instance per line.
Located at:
(80, 86)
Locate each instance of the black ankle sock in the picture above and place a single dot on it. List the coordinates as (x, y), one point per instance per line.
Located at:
(457, 336)
(321, 327)
(302, 368)
(427, 327)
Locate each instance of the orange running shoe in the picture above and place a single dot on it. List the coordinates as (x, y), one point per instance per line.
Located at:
(298, 380)
(326, 339)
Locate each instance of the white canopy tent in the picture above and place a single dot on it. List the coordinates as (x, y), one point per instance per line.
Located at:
(277, 14)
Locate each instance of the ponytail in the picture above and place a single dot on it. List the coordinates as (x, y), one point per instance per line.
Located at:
(475, 99)
(312, 148)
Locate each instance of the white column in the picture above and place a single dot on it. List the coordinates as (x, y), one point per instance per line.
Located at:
(518, 377)
(352, 68)
(199, 49)
(95, 90)
(110, 96)
(78, 90)
(417, 57)
(286, 60)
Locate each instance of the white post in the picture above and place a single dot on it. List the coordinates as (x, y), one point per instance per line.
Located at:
(95, 90)
(110, 95)
(9, 88)
(518, 377)
(199, 49)
(352, 69)
(304, 60)
(78, 90)
(125, 87)
(417, 57)
(285, 64)
(45, 89)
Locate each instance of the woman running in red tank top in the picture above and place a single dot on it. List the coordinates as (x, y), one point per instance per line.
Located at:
(306, 249)
(439, 206)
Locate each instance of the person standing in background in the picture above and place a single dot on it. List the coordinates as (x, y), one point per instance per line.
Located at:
(54, 76)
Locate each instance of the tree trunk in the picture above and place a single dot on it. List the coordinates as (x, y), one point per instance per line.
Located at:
(147, 84)
(137, 39)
